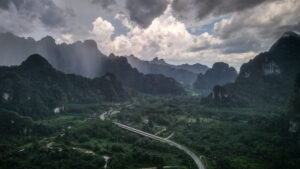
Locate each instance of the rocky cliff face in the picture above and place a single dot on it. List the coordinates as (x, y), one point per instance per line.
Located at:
(268, 77)
(218, 97)
(219, 74)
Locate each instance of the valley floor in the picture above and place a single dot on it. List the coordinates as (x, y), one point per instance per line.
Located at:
(85, 136)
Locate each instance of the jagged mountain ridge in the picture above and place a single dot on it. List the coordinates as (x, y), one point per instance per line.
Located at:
(82, 58)
(159, 66)
(195, 68)
(150, 83)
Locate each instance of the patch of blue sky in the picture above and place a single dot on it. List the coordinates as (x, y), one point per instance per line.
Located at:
(120, 29)
(209, 28)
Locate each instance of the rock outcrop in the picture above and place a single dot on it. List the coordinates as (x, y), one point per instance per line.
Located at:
(219, 74)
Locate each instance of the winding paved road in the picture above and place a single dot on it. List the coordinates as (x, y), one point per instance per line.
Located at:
(164, 140)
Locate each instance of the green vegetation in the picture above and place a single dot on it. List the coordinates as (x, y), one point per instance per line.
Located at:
(75, 139)
(294, 101)
(37, 90)
(242, 138)
(268, 77)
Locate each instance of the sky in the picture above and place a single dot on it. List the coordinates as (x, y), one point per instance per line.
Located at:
(179, 31)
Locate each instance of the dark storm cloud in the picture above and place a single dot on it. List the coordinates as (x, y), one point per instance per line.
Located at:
(104, 3)
(294, 27)
(44, 10)
(240, 45)
(144, 11)
(204, 8)
(4, 4)
(51, 15)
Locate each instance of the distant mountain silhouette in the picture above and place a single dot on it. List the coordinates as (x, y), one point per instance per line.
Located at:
(219, 74)
(195, 68)
(158, 61)
(180, 73)
(82, 58)
(270, 75)
(150, 83)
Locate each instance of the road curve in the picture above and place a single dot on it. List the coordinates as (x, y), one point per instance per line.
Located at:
(164, 140)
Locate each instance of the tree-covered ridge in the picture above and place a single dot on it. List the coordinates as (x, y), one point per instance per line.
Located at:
(36, 89)
(269, 77)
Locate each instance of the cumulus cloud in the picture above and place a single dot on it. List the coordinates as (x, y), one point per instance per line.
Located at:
(102, 32)
(154, 40)
(173, 42)
(123, 19)
(257, 29)
(144, 11)
(65, 38)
